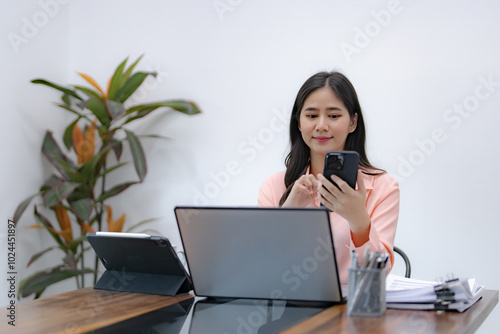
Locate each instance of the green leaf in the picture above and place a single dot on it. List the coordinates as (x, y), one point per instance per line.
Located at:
(185, 107)
(40, 280)
(75, 243)
(69, 167)
(99, 110)
(82, 208)
(138, 155)
(65, 189)
(115, 109)
(22, 207)
(127, 74)
(103, 131)
(36, 256)
(140, 113)
(51, 182)
(58, 193)
(109, 170)
(68, 134)
(72, 110)
(115, 191)
(131, 85)
(45, 222)
(154, 136)
(38, 294)
(117, 80)
(60, 88)
(50, 198)
(85, 190)
(89, 92)
(54, 155)
(92, 168)
(65, 99)
(117, 147)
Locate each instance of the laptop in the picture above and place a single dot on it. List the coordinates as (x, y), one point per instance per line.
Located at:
(260, 253)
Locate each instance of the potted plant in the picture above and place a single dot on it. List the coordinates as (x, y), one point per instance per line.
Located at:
(75, 194)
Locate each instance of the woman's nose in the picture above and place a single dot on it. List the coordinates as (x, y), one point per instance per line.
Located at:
(322, 123)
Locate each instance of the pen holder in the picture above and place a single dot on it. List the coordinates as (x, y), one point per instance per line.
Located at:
(366, 296)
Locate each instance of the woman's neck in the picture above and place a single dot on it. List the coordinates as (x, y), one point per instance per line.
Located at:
(317, 163)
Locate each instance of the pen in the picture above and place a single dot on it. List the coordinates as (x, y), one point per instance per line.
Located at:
(373, 260)
(354, 258)
(366, 256)
(384, 260)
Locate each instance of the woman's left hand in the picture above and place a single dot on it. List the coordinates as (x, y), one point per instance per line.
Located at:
(347, 202)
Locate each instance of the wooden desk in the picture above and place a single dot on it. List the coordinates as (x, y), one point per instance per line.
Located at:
(335, 320)
(84, 310)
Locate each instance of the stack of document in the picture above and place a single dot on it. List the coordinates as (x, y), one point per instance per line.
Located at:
(454, 295)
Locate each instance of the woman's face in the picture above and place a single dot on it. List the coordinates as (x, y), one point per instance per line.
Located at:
(325, 122)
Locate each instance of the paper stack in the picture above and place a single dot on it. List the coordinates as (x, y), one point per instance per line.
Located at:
(456, 294)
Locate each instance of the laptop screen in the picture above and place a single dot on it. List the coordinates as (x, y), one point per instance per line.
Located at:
(268, 253)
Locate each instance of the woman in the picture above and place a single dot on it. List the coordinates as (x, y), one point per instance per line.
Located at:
(326, 116)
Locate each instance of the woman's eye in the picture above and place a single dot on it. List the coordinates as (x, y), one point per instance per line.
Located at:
(334, 116)
(311, 116)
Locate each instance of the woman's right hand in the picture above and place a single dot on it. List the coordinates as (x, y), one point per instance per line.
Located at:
(304, 192)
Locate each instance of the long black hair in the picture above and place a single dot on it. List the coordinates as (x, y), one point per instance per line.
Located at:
(297, 161)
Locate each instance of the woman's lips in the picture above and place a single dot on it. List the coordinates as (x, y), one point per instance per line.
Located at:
(322, 139)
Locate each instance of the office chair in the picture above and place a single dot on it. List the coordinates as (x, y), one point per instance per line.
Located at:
(406, 259)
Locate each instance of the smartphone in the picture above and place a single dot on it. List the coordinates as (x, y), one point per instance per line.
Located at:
(344, 164)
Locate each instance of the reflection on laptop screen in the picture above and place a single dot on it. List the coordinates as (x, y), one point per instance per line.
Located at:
(248, 316)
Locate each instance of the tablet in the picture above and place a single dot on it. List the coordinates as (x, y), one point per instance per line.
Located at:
(139, 263)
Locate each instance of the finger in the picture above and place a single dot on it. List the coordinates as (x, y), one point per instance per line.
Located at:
(313, 180)
(308, 183)
(326, 198)
(329, 185)
(326, 186)
(326, 195)
(326, 203)
(343, 186)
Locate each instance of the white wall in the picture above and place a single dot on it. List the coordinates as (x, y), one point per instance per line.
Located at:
(415, 65)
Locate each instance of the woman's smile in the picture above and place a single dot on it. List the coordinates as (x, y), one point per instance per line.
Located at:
(322, 140)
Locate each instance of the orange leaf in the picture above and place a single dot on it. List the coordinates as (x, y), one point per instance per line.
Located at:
(62, 217)
(87, 228)
(107, 89)
(91, 81)
(109, 212)
(111, 223)
(65, 223)
(35, 226)
(119, 223)
(77, 137)
(44, 227)
(84, 144)
(114, 226)
(90, 133)
(67, 236)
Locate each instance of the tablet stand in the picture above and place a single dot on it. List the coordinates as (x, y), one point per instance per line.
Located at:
(168, 285)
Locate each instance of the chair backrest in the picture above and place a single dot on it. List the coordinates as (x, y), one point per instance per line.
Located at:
(406, 259)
